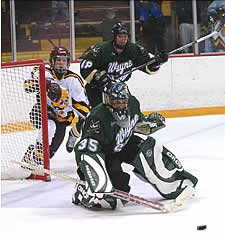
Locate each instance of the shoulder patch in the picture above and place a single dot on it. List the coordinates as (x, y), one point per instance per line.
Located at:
(94, 126)
(95, 50)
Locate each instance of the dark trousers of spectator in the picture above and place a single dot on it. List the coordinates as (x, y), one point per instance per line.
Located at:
(153, 35)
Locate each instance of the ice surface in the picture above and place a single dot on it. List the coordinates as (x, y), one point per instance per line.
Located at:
(41, 209)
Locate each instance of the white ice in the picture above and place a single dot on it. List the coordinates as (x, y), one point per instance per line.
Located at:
(40, 209)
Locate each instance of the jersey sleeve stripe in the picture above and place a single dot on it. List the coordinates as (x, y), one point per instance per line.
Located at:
(80, 107)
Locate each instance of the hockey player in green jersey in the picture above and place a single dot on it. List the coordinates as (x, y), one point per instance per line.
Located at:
(110, 60)
(108, 140)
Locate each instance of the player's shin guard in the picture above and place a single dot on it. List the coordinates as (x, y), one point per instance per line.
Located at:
(162, 169)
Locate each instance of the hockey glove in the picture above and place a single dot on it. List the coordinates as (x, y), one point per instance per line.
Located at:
(212, 19)
(53, 90)
(157, 121)
(101, 79)
(161, 57)
(152, 123)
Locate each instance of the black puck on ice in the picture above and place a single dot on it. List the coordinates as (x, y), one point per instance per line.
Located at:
(203, 227)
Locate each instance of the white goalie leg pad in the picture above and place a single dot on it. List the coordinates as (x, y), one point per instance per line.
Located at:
(93, 167)
(164, 187)
(161, 168)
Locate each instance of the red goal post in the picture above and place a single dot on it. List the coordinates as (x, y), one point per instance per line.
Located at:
(17, 132)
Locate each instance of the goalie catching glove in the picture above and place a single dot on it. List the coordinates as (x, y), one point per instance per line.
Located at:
(152, 123)
(53, 90)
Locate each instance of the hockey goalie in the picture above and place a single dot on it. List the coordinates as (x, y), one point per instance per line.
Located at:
(109, 138)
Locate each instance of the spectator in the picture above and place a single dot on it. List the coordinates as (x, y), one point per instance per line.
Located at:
(215, 8)
(152, 24)
(185, 21)
(215, 11)
(108, 23)
(60, 9)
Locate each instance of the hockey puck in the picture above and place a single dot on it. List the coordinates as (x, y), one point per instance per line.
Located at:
(203, 227)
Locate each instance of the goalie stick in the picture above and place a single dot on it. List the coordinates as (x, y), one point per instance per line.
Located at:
(186, 194)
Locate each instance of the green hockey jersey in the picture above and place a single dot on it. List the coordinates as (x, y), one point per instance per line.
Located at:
(101, 132)
(103, 56)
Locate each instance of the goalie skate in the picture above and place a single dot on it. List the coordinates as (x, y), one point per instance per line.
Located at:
(81, 197)
(31, 158)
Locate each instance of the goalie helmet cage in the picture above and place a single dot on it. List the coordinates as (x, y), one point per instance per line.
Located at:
(17, 133)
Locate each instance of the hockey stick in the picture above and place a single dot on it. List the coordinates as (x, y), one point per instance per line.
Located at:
(220, 26)
(216, 31)
(120, 194)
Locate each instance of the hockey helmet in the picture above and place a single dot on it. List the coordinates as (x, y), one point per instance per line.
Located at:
(120, 28)
(58, 52)
(116, 97)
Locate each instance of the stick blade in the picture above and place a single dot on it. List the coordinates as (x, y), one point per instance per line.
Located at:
(188, 192)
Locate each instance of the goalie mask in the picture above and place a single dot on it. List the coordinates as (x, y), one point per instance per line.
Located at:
(120, 29)
(116, 98)
(59, 59)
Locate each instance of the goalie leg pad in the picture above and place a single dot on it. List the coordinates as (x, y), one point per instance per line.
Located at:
(94, 195)
(93, 167)
(162, 169)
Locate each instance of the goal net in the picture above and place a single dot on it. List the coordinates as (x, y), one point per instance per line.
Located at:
(18, 134)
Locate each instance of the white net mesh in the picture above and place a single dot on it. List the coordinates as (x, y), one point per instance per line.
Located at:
(17, 132)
